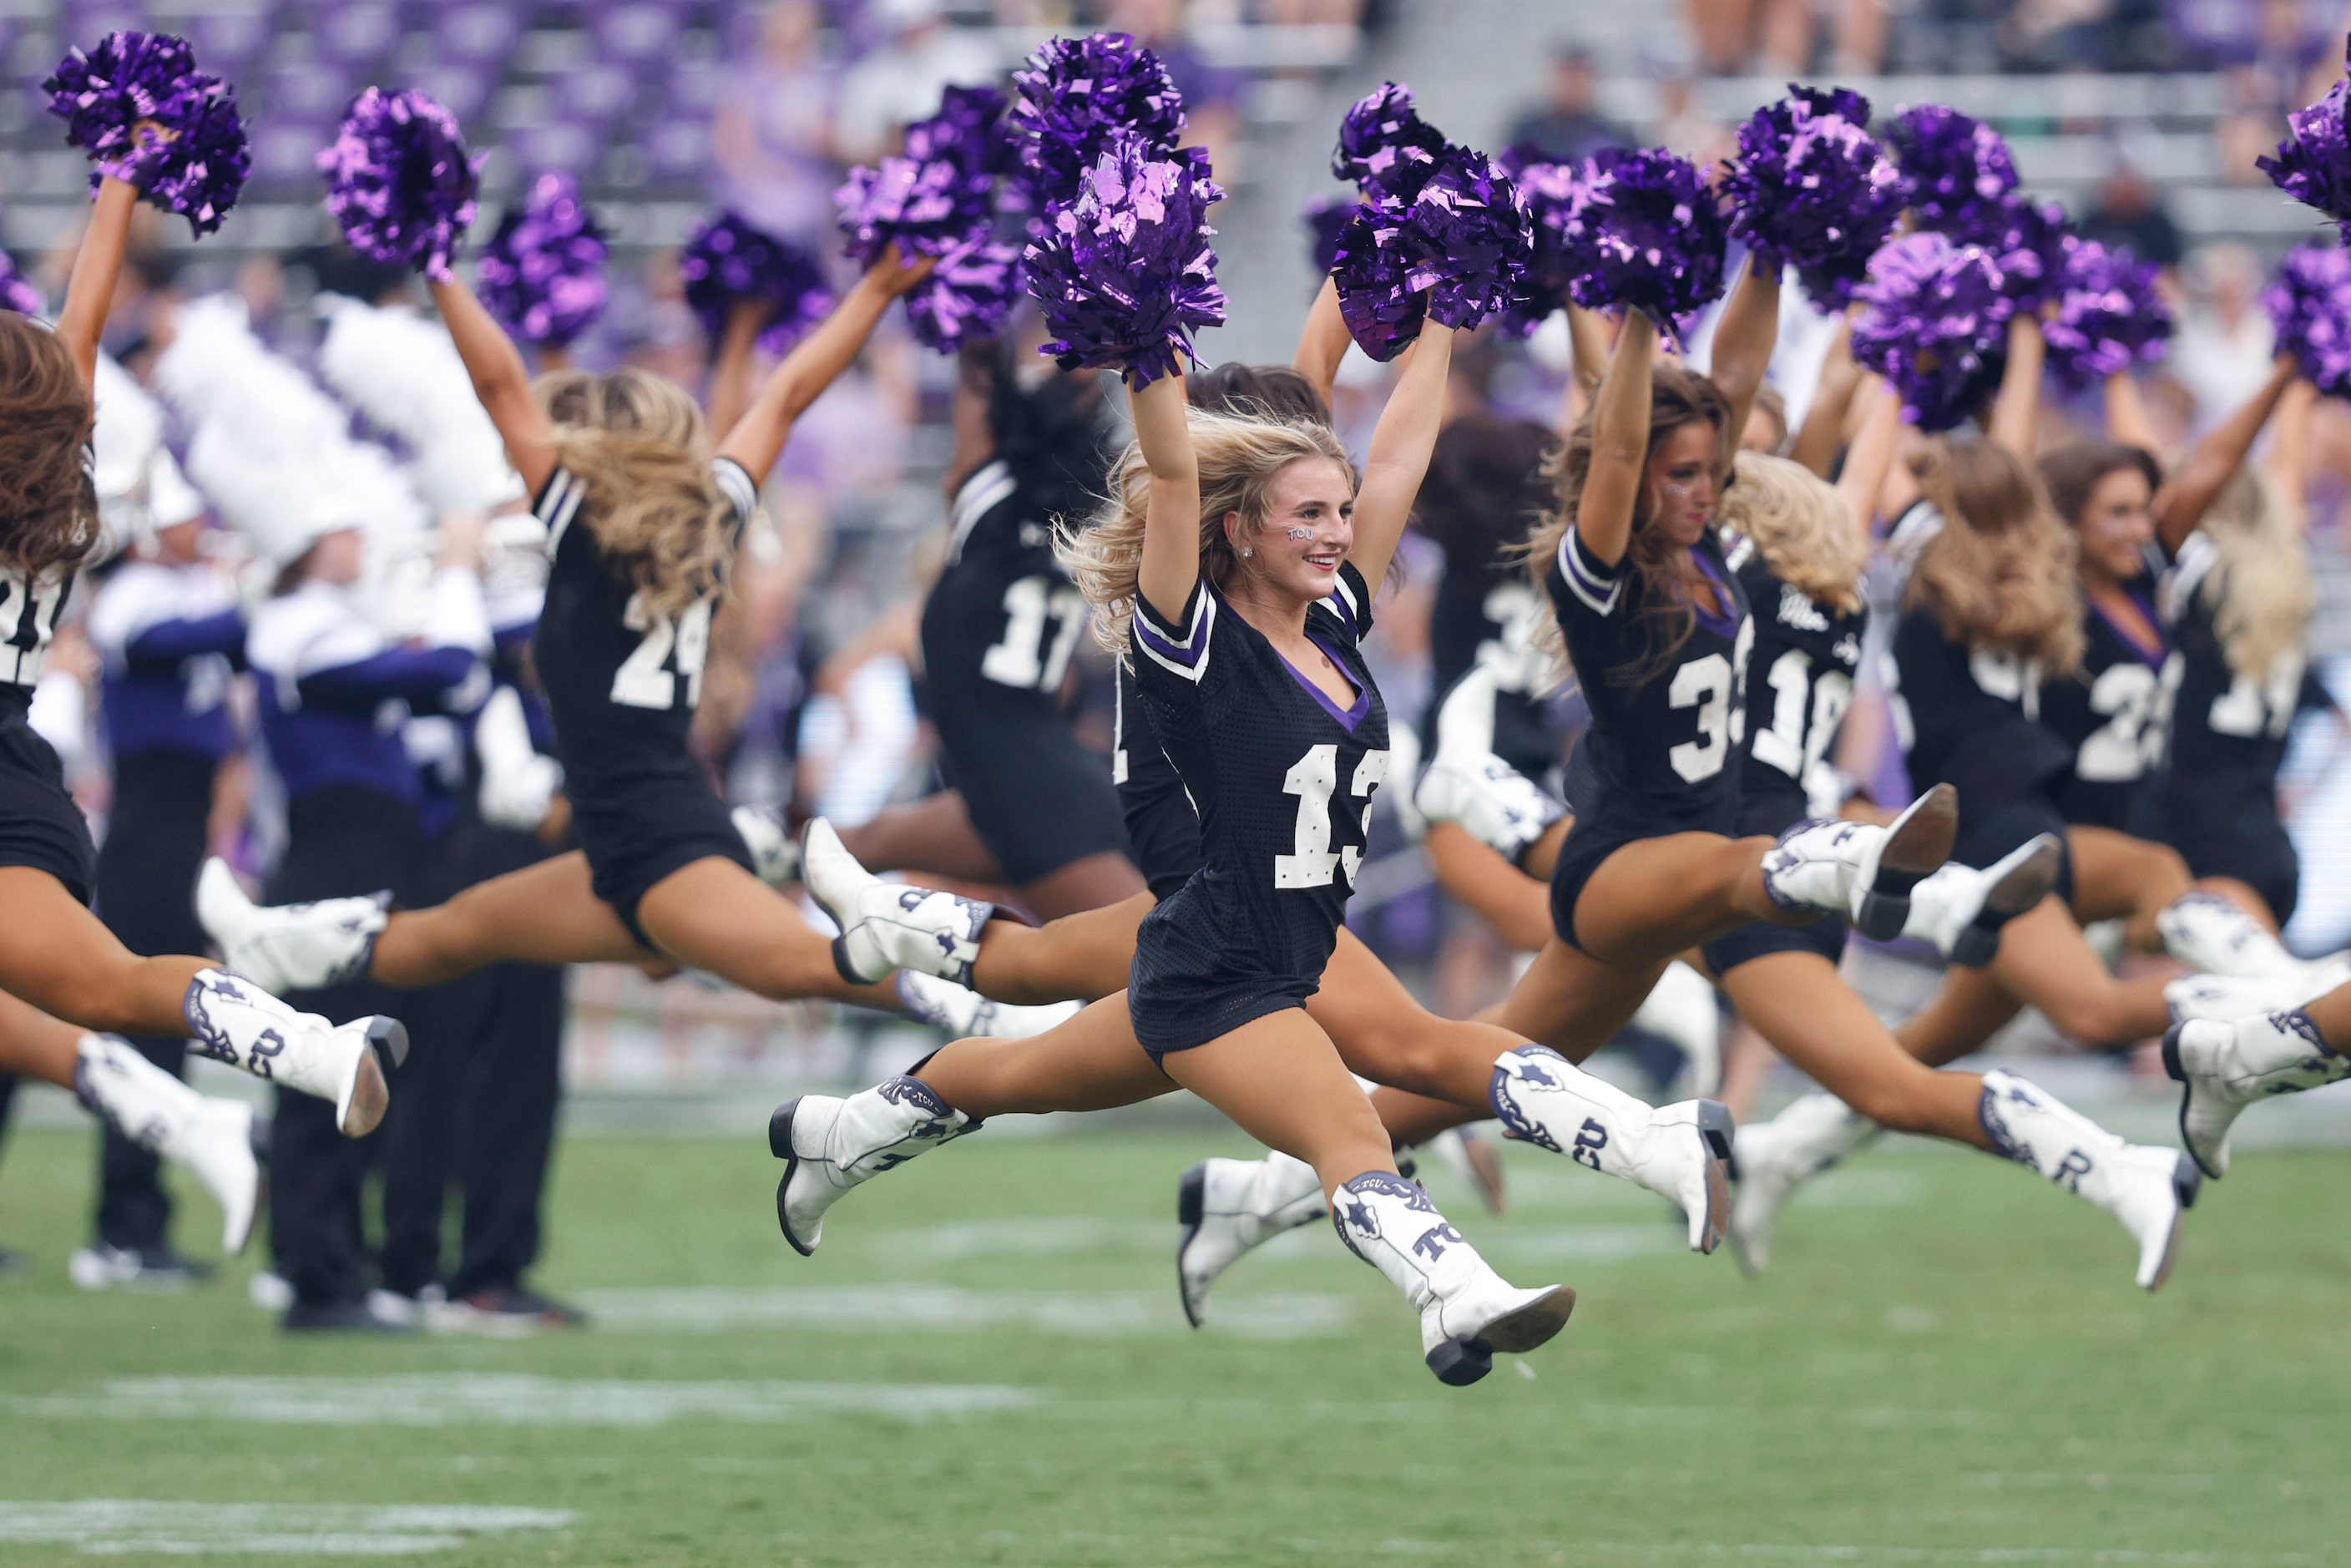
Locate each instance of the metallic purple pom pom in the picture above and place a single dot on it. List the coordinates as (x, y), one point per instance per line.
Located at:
(1124, 273)
(1385, 146)
(1372, 266)
(967, 295)
(2027, 239)
(926, 208)
(2314, 163)
(398, 180)
(967, 132)
(2310, 300)
(542, 274)
(17, 290)
(725, 260)
(1555, 195)
(1951, 164)
(1811, 189)
(1326, 218)
(1465, 241)
(1647, 234)
(1934, 323)
(197, 167)
(2108, 316)
(1073, 93)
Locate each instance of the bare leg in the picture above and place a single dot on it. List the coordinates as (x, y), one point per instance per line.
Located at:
(2043, 962)
(1412, 1119)
(545, 913)
(1655, 897)
(2332, 1014)
(1090, 1064)
(2118, 877)
(1096, 882)
(1538, 859)
(934, 834)
(1281, 1082)
(58, 958)
(1746, 1057)
(1082, 956)
(715, 915)
(1515, 904)
(1384, 1033)
(1572, 1002)
(35, 1045)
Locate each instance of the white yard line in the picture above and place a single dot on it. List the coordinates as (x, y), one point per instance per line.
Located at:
(113, 1526)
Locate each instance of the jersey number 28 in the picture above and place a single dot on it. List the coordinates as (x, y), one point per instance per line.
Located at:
(678, 644)
(1312, 777)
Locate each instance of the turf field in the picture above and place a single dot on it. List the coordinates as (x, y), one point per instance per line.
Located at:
(986, 1364)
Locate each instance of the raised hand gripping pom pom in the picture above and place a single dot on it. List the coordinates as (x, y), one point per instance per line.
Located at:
(1811, 189)
(2314, 163)
(725, 261)
(1952, 164)
(146, 115)
(1934, 322)
(2109, 316)
(542, 274)
(400, 182)
(1074, 94)
(1647, 235)
(1385, 146)
(2310, 300)
(967, 295)
(1464, 242)
(1124, 273)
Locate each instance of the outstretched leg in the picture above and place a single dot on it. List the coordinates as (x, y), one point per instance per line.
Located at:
(543, 914)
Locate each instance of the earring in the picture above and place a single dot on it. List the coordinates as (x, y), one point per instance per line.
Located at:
(1246, 552)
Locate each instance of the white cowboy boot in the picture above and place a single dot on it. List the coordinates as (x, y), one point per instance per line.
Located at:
(1776, 1158)
(1227, 1209)
(214, 1139)
(1862, 871)
(830, 1146)
(1682, 1152)
(888, 925)
(2209, 933)
(232, 1019)
(2225, 1067)
(2149, 1189)
(289, 946)
(964, 1013)
(1960, 910)
(774, 854)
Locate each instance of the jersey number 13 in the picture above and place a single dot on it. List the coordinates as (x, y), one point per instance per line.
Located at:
(1311, 862)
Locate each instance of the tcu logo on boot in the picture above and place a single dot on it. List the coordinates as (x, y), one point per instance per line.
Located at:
(1590, 1139)
(268, 1045)
(1432, 1241)
(2071, 1170)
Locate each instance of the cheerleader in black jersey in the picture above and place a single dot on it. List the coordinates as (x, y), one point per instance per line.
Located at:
(56, 955)
(1240, 552)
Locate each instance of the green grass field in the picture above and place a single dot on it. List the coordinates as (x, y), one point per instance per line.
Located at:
(986, 1364)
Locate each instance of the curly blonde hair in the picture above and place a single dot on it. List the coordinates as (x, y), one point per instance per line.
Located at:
(1803, 529)
(2001, 576)
(638, 444)
(1238, 457)
(2260, 590)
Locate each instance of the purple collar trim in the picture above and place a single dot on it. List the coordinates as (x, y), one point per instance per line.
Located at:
(1720, 624)
(2150, 656)
(1350, 716)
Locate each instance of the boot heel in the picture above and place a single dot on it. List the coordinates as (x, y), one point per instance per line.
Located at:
(1975, 948)
(779, 1129)
(1461, 1363)
(1883, 914)
(1715, 1125)
(2171, 1063)
(389, 1036)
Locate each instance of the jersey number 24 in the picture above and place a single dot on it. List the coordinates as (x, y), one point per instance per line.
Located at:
(672, 646)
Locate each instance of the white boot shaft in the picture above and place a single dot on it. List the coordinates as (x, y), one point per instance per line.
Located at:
(2209, 933)
(232, 1019)
(2226, 1067)
(774, 854)
(1467, 1310)
(2146, 1190)
(1227, 1209)
(832, 1146)
(213, 1139)
(1680, 1151)
(886, 926)
(1864, 872)
(2225, 998)
(1486, 798)
(964, 1013)
(1776, 1157)
(1960, 910)
(1680, 1009)
(291, 946)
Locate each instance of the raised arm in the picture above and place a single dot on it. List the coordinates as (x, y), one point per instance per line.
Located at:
(1743, 341)
(89, 294)
(1401, 445)
(1322, 343)
(2016, 409)
(2287, 467)
(2127, 419)
(757, 439)
(1171, 527)
(1872, 454)
(500, 381)
(1587, 362)
(1823, 431)
(730, 369)
(1620, 444)
(2188, 494)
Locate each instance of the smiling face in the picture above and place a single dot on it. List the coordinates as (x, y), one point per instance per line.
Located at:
(1308, 529)
(2116, 525)
(1680, 484)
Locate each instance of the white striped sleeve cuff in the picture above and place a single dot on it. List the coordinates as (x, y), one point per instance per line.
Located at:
(1591, 581)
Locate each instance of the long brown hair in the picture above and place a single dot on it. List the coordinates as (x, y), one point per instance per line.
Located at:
(2072, 473)
(48, 505)
(638, 444)
(1664, 577)
(2000, 578)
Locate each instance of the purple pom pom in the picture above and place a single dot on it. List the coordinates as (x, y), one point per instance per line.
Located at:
(2026, 239)
(1811, 189)
(1555, 195)
(1933, 324)
(2108, 317)
(1951, 164)
(109, 95)
(1373, 268)
(2314, 163)
(926, 208)
(1648, 234)
(725, 260)
(17, 290)
(542, 274)
(2310, 300)
(1326, 219)
(1385, 146)
(967, 295)
(398, 180)
(1124, 273)
(1074, 94)
(967, 132)
(1465, 241)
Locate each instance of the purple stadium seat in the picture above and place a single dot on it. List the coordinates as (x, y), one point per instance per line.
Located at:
(552, 144)
(355, 35)
(475, 32)
(677, 149)
(317, 92)
(597, 94)
(638, 37)
(225, 41)
(464, 90)
(285, 152)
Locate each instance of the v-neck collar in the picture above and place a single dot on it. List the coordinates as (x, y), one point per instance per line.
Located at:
(1349, 716)
(2146, 655)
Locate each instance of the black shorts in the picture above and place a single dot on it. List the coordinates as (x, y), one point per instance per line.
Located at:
(1773, 814)
(1191, 982)
(1989, 831)
(1039, 798)
(1592, 839)
(638, 831)
(40, 826)
(2251, 846)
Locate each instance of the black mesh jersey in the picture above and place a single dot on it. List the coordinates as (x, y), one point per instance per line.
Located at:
(1802, 672)
(1283, 779)
(1488, 616)
(1161, 824)
(1003, 618)
(2113, 716)
(29, 605)
(622, 685)
(2229, 731)
(1969, 719)
(1663, 755)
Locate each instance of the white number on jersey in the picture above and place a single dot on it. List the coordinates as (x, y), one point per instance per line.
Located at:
(1717, 687)
(1806, 711)
(679, 643)
(1312, 777)
(1036, 608)
(2139, 703)
(2009, 678)
(1515, 656)
(27, 613)
(2248, 708)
